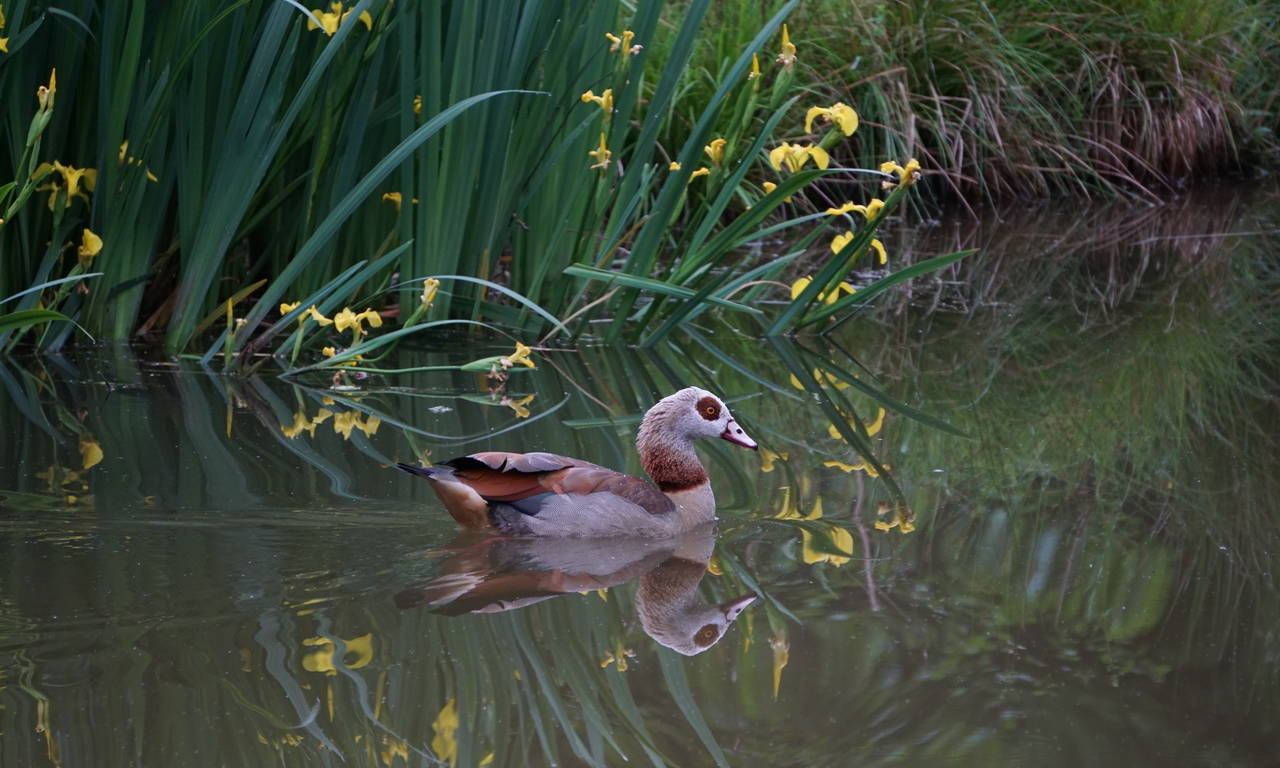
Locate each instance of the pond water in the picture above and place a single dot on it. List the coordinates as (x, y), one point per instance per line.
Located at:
(200, 570)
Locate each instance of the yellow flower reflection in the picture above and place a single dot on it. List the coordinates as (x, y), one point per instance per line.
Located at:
(619, 657)
(781, 655)
(519, 405)
(300, 424)
(768, 457)
(787, 58)
(344, 423)
(522, 356)
(605, 100)
(840, 114)
(903, 520)
(443, 743)
(795, 156)
(90, 452)
(330, 20)
(358, 649)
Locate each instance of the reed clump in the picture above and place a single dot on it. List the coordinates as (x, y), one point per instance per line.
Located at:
(1015, 100)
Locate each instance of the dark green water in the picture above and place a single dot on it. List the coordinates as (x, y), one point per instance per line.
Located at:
(1089, 580)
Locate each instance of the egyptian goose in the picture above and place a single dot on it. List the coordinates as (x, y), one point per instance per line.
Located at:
(542, 494)
(495, 574)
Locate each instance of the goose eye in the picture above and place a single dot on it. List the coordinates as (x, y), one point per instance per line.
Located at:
(709, 409)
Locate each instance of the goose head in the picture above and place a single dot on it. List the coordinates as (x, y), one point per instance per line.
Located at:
(691, 414)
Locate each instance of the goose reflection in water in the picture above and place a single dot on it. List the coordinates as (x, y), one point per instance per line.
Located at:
(491, 575)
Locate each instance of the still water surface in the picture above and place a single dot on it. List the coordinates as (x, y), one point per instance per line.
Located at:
(204, 571)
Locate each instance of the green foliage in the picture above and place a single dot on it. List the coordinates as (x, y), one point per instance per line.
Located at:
(245, 157)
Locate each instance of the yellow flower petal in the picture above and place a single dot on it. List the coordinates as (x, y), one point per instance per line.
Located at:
(787, 57)
(90, 452)
(314, 314)
(840, 241)
(345, 319)
(820, 157)
(286, 308)
(674, 166)
(522, 356)
(715, 150)
(90, 246)
(443, 743)
(797, 288)
(430, 287)
(704, 171)
(879, 247)
(601, 154)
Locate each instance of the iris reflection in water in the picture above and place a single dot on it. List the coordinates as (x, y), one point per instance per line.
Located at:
(492, 575)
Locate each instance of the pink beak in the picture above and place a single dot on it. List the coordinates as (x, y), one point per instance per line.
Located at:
(734, 434)
(734, 607)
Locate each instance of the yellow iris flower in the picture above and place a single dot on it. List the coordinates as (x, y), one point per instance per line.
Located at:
(623, 44)
(45, 93)
(795, 156)
(348, 319)
(674, 166)
(77, 182)
(4, 41)
(769, 186)
(787, 57)
(828, 297)
(704, 171)
(605, 100)
(870, 210)
(330, 20)
(430, 287)
(715, 150)
(907, 174)
(601, 154)
(90, 246)
(522, 356)
(839, 114)
(395, 198)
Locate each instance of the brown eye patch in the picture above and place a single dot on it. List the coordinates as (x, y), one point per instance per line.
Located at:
(708, 408)
(707, 635)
